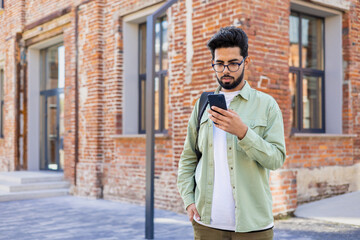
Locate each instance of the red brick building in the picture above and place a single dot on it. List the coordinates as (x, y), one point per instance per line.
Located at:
(73, 82)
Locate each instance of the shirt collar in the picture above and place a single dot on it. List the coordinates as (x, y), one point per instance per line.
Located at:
(244, 92)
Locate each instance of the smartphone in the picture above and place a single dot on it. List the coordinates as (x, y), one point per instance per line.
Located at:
(217, 100)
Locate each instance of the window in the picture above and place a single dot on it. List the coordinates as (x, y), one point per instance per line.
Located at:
(134, 72)
(161, 78)
(2, 103)
(307, 73)
(2, 4)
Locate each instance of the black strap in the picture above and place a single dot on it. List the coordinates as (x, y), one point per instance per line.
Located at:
(202, 106)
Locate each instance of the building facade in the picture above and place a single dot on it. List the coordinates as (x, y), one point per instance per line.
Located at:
(73, 74)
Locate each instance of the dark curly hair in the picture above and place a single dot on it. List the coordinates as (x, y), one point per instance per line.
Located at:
(229, 37)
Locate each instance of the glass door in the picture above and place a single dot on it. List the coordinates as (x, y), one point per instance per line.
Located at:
(52, 108)
(53, 139)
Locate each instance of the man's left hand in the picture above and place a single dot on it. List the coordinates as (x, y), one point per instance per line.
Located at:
(229, 121)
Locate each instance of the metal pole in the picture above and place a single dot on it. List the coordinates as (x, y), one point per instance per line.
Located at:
(150, 117)
(150, 138)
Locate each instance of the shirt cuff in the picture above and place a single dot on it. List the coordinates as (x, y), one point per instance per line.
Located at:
(189, 199)
(249, 140)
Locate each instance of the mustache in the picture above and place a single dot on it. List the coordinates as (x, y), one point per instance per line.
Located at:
(226, 76)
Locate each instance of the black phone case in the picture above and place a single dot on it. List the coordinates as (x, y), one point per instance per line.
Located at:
(217, 100)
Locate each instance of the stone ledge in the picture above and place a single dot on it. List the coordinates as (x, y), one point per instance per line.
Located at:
(123, 136)
(343, 5)
(322, 135)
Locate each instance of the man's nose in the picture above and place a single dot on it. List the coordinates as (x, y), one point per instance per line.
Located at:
(226, 70)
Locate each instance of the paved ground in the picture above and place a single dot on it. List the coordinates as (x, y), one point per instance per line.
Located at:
(77, 218)
(311, 229)
(74, 218)
(341, 209)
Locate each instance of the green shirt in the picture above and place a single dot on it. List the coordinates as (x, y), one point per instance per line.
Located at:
(250, 159)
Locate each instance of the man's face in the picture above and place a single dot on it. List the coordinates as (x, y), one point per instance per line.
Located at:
(228, 80)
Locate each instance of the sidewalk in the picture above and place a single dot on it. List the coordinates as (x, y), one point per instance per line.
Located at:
(75, 218)
(78, 218)
(341, 209)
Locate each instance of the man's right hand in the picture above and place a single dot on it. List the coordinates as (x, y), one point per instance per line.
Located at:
(191, 211)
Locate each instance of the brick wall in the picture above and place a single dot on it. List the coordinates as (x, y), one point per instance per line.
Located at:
(91, 98)
(283, 187)
(313, 152)
(351, 89)
(38, 9)
(11, 24)
(113, 167)
(69, 111)
(124, 176)
(7, 144)
(317, 161)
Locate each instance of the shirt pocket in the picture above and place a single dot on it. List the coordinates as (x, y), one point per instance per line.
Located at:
(258, 126)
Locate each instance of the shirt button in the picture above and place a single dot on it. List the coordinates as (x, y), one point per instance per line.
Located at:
(233, 187)
(229, 148)
(231, 168)
(210, 145)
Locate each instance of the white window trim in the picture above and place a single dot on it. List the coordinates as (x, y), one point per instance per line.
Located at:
(130, 92)
(333, 62)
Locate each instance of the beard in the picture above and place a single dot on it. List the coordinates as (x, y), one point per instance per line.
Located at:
(233, 84)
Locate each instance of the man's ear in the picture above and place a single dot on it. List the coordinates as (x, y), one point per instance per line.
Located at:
(247, 62)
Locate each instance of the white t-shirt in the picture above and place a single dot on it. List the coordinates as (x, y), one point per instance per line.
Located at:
(223, 203)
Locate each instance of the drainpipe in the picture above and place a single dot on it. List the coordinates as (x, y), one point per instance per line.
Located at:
(24, 134)
(149, 115)
(18, 37)
(77, 87)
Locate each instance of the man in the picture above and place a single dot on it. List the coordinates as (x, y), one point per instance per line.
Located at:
(226, 193)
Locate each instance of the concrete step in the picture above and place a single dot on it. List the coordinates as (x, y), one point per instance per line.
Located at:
(21, 185)
(31, 177)
(14, 196)
(15, 187)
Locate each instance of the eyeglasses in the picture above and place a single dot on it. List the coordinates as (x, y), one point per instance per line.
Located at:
(233, 67)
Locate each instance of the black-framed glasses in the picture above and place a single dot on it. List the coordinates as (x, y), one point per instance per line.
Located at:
(233, 67)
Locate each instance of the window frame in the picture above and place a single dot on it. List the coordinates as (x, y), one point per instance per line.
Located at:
(301, 72)
(161, 74)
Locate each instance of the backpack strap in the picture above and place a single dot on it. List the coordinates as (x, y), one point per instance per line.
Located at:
(202, 106)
